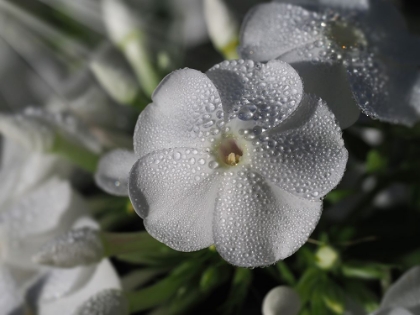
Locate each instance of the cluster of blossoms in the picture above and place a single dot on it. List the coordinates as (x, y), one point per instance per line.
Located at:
(238, 158)
(241, 156)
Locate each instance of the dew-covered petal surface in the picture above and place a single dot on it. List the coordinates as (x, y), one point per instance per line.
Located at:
(281, 300)
(179, 187)
(10, 298)
(102, 276)
(330, 4)
(305, 155)
(272, 29)
(256, 93)
(386, 91)
(185, 110)
(113, 171)
(256, 223)
(330, 82)
(405, 292)
(106, 302)
(78, 247)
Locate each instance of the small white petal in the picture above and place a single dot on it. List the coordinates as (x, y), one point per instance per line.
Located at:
(77, 247)
(405, 292)
(175, 192)
(330, 4)
(84, 283)
(257, 223)
(184, 113)
(281, 300)
(113, 171)
(273, 29)
(256, 93)
(106, 302)
(330, 83)
(386, 92)
(10, 299)
(395, 311)
(305, 155)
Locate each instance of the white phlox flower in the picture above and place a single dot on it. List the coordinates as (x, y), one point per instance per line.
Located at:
(106, 302)
(281, 300)
(356, 55)
(39, 129)
(402, 298)
(238, 157)
(63, 291)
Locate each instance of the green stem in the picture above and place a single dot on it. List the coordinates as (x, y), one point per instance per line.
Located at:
(163, 290)
(77, 154)
(134, 48)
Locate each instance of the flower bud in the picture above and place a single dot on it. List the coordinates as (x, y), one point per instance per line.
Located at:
(281, 300)
(114, 75)
(222, 27)
(326, 257)
(77, 247)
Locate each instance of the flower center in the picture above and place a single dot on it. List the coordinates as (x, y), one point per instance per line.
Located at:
(347, 36)
(229, 151)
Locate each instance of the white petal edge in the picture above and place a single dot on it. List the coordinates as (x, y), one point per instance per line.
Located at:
(405, 292)
(305, 155)
(104, 277)
(175, 192)
(183, 114)
(257, 223)
(254, 93)
(113, 171)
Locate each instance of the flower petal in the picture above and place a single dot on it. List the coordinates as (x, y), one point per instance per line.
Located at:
(330, 4)
(10, 298)
(263, 94)
(45, 212)
(113, 171)
(78, 247)
(106, 302)
(256, 223)
(102, 277)
(281, 300)
(329, 82)
(273, 29)
(180, 189)
(386, 91)
(405, 292)
(184, 113)
(305, 155)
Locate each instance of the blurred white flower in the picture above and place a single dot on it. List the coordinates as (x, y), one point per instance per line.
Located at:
(238, 157)
(63, 291)
(106, 302)
(354, 54)
(11, 300)
(402, 298)
(77, 247)
(281, 300)
(113, 171)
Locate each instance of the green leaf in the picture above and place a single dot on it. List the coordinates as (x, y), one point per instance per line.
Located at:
(241, 282)
(366, 271)
(375, 162)
(213, 276)
(338, 195)
(285, 273)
